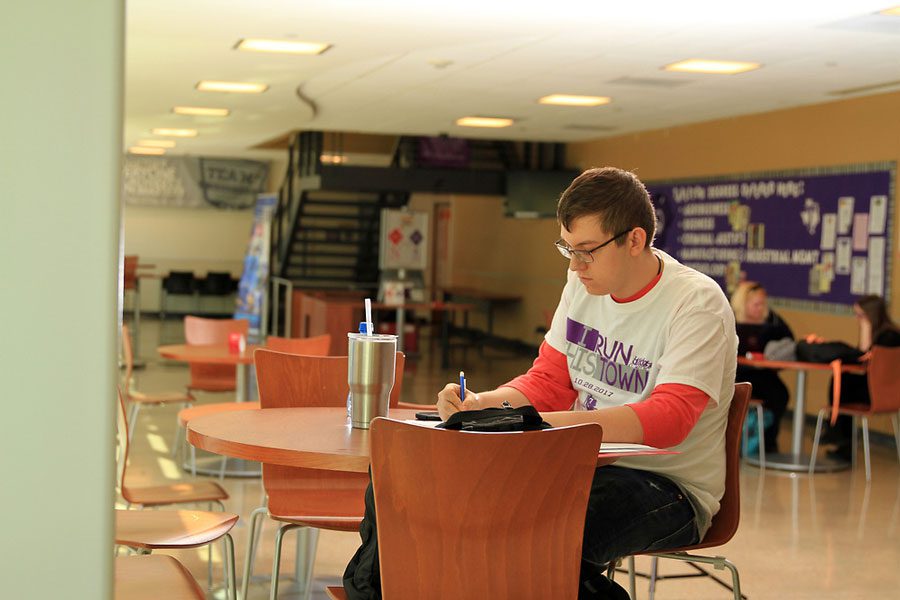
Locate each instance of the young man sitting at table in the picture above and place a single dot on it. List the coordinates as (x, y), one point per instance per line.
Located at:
(645, 347)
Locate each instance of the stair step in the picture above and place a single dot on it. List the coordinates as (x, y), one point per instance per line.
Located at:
(342, 216)
(346, 203)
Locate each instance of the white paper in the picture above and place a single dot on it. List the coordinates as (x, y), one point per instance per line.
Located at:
(877, 215)
(845, 214)
(858, 275)
(876, 266)
(422, 423)
(842, 256)
(829, 224)
(607, 447)
(860, 231)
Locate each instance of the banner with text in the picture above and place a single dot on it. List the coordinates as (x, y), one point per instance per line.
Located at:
(822, 237)
(193, 182)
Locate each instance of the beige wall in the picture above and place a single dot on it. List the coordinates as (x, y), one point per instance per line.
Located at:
(497, 253)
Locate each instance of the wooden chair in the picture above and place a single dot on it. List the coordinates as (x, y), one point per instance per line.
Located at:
(152, 577)
(148, 530)
(137, 399)
(315, 346)
(503, 518)
(300, 497)
(884, 394)
(212, 377)
(178, 493)
(725, 522)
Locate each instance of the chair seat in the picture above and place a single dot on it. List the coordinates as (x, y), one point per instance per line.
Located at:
(336, 592)
(176, 493)
(319, 522)
(186, 414)
(154, 576)
(161, 529)
(159, 398)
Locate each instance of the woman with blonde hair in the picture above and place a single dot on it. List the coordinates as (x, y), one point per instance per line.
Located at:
(756, 327)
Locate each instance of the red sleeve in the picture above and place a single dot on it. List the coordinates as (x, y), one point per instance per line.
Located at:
(547, 384)
(669, 413)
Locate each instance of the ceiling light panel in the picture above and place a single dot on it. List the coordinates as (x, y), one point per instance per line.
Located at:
(235, 87)
(711, 66)
(200, 111)
(282, 46)
(146, 151)
(157, 143)
(495, 122)
(574, 100)
(183, 133)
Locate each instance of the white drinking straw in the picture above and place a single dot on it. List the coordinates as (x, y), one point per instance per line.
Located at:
(368, 316)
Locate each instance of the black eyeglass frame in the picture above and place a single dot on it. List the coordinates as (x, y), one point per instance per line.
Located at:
(585, 256)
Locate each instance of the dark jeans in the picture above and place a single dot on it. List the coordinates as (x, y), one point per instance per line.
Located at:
(630, 511)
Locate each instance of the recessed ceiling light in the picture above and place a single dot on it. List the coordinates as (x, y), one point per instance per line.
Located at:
(572, 100)
(285, 46)
(891, 12)
(148, 151)
(175, 132)
(157, 143)
(232, 86)
(332, 159)
(200, 111)
(718, 67)
(484, 122)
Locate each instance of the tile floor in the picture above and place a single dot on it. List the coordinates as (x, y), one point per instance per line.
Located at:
(830, 536)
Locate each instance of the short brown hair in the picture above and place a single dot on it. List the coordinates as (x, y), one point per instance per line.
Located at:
(616, 197)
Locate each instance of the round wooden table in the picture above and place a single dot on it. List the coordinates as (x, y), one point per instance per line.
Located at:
(316, 438)
(220, 354)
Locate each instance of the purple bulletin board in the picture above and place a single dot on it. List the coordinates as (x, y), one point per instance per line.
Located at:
(815, 239)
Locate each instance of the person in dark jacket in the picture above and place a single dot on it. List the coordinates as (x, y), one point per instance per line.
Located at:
(756, 327)
(875, 329)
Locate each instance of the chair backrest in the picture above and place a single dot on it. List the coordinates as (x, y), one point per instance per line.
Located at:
(311, 346)
(216, 283)
(481, 515)
(179, 282)
(121, 442)
(884, 381)
(292, 380)
(198, 330)
(128, 357)
(725, 522)
(129, 272)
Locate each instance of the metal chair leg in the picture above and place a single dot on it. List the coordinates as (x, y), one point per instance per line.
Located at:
(132, 419)
(855, 441)
(815, 448)
(231, 578)
(895, 422)
(251, 548)
(868, 458)
(654, 565)
(632, 586)
(276, 562)
(760, 431)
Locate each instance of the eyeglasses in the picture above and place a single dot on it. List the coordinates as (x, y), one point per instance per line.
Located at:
(585, 256)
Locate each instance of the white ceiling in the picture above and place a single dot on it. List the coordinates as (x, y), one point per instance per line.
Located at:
(378, 77)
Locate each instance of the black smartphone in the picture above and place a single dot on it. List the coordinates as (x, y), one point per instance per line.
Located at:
(431, 415)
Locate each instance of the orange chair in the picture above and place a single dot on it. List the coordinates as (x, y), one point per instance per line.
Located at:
(524, 496)
(212, 377)
(148, 530)
(152, 577)
(725, 522)
(300, 497)
(314, 346)
(179, 493)
(884, 394)
(138, 399)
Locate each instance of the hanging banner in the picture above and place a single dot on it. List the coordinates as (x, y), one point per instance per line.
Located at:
(193, 182)
(817, 239)
(255, 277)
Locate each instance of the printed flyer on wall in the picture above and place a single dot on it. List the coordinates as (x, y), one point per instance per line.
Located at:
(255, 277)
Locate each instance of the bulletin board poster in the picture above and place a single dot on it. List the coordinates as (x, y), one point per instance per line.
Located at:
(404, 240)
(815, 239)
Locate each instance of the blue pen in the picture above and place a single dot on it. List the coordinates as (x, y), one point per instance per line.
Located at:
(462, 385)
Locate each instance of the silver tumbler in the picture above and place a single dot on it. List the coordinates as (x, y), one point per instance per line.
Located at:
(370, 373)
